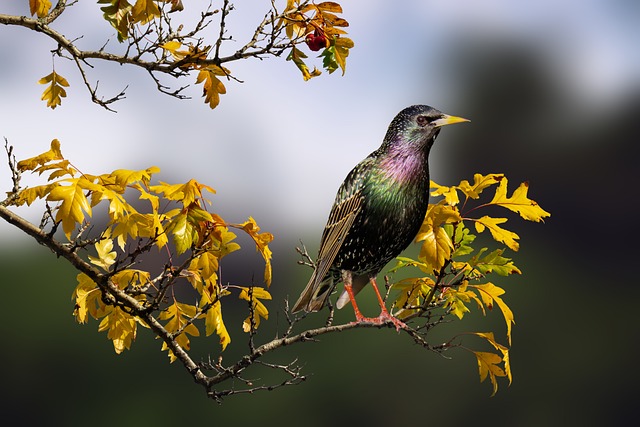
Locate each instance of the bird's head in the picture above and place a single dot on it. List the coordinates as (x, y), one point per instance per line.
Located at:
(418, 125)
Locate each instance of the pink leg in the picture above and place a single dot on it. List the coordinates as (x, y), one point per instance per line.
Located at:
(384, 316)
(356, 310)
(346, 278)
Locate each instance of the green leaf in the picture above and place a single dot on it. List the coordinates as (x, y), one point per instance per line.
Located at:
(462, 239)
(297, 56)
(329, 61)
(182, 231)
(403, 262)
(118, 14)
(335, 56)
(494, 263)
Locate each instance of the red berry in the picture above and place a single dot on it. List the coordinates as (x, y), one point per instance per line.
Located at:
(316, 41)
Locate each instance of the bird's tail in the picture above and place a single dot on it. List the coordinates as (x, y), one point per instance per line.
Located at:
(315, 294)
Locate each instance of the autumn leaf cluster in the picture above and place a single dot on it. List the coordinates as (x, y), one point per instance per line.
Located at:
(455, 274)
(152, 29)
(321, 29)
(175, 223)
(176, 220)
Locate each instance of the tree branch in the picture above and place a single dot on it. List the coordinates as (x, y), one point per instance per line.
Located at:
(151, 56)
(102, 280)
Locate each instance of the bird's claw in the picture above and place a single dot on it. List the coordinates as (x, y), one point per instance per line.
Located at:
(382, 319)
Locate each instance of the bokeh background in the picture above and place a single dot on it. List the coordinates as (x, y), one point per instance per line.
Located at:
(553, 91)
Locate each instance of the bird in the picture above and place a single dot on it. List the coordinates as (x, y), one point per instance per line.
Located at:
(377, 212)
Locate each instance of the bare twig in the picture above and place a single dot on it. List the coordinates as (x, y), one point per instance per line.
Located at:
(306, 258)
(15, 175)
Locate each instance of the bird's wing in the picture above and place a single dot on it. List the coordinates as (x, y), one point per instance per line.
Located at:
(340, 221)
(343, 213)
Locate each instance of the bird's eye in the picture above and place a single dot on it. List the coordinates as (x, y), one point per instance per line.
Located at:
(422, 121)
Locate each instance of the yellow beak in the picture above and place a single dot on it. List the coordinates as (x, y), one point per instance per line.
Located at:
(449, 120)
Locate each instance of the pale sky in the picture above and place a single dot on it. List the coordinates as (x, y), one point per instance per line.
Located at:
(278, 147)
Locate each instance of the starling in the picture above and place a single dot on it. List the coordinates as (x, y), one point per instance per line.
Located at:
(377, 212)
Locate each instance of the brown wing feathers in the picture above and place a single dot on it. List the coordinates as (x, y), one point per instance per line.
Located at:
(340, 221)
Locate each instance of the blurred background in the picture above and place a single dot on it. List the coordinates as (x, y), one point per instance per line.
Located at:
(552, 89)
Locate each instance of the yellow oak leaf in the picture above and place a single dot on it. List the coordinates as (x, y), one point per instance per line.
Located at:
(456, 300)
(39, 7)
(178, 315)
(182, 232)
(259, 310)
(519, 202)
(489, 336)
(437, 246)
(504, 350)
(118, 14)
(206, 266)
(131, 278)
(137, 225)
(507, 237)
(144, 11)
(212, 87)
(193, 53)
(329, 6)
(295, 25)
(121, 328)
(32, 163)
(490, 294)
(125, 177)
(262, 241)
(411, 293)
(58, 169)
(294, 20)
(488, 367)
(450, 193)
(186, 193)
(214, 323)
(196, 215)
(29, 195)
(225, 242)
(54, 93)
(145, 195)
(157, 228)
(342, 46)
(88, 299)
(185, 225)
(480, 182)
(173, 46)
(118, 205)
(106, 256)
(74, 202)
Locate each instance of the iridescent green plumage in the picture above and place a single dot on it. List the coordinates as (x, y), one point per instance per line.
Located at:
(378, 209)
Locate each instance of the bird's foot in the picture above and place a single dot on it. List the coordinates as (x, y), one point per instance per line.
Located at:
(382, 319)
